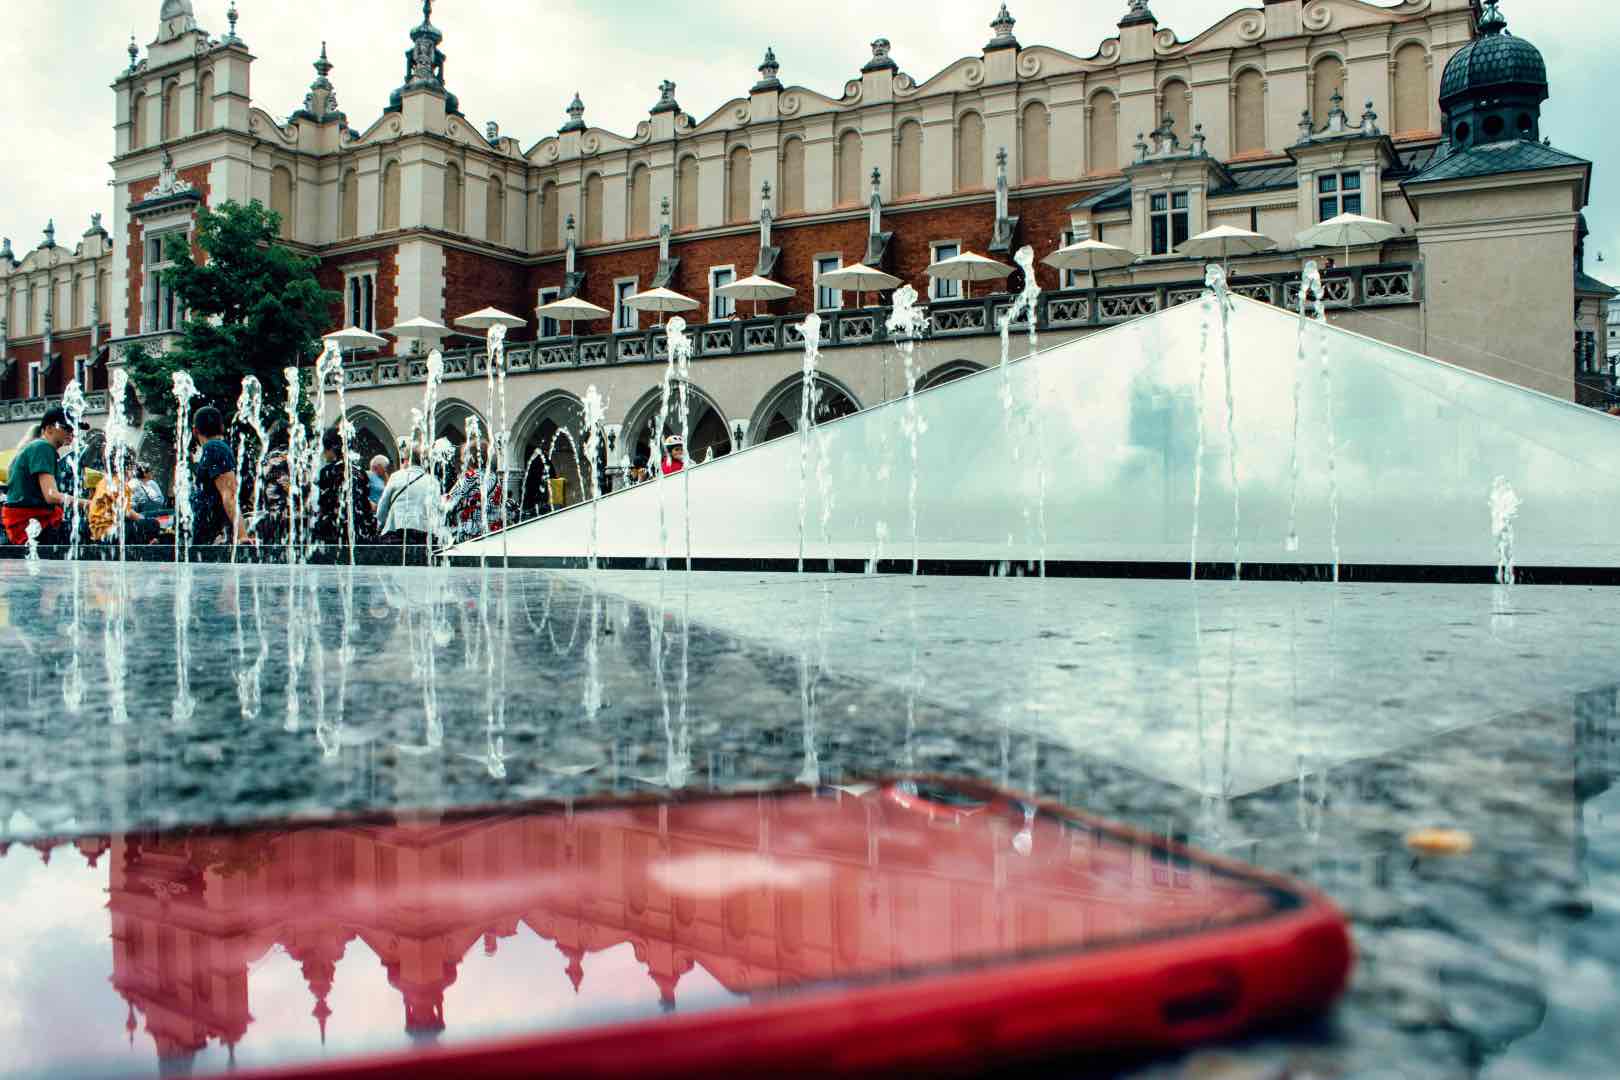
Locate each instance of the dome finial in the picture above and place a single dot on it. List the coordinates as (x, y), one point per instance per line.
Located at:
(1491, 20)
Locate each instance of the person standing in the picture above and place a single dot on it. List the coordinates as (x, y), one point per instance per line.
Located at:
(113, 499)
(32, 493)
(674, 455)
(215, 517)
(411, 510)
(339, 481)
(376, 481)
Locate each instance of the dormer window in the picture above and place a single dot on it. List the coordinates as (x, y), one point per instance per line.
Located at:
(1169, 217)
(1338, 193)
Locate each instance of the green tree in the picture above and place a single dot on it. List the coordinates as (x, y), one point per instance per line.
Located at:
(253, 307)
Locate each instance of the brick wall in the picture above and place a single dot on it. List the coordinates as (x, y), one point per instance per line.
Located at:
(473, 281)
(1045, 218)
(329, 274)
(68, 347)
(197, 177)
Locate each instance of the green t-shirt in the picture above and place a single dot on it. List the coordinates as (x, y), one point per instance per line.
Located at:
(23, 488)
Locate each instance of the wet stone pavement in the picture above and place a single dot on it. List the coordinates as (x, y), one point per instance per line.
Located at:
(1304, 728)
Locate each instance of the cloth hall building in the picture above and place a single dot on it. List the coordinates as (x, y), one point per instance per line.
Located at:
(1424, 113)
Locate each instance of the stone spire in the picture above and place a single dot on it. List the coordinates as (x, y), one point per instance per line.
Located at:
(424, 64)
(1138, 13)
(134, 55)
(321, 103)
(666, 99)
(1002, 24)
(767, 73)
(231, 16)
(50, 234)
(576, 116)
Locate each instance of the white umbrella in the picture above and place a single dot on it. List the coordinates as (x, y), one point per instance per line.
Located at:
(1225, 241)
(661, 300)
(352, 338)
(484, 318)
(1347, 230)
(756, 288)
(968, 268)
(571, 309)
(1090, 256)
(419, 327)
(858, 278)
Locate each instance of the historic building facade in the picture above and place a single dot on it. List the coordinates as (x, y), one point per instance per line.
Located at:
(1424, 113)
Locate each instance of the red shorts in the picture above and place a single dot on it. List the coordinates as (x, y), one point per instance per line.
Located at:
(16, 519)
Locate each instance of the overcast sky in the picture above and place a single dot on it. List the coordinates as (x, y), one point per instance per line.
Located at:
(519, 62)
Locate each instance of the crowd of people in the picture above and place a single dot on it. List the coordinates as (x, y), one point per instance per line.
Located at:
(414, 504)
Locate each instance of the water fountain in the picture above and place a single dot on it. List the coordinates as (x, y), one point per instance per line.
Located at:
(1505, 505)
(595, 417)
(1310, 292)
(1027, 304)
(249, 419)
(810, 332)
(120, 443)
(907, 322)
(185, 391)
(75, 407)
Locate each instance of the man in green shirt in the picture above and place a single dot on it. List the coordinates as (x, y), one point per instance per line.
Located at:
(31, 491)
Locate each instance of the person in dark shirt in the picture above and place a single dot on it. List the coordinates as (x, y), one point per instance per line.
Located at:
(215, 518)
(336, 495)
(32, 492)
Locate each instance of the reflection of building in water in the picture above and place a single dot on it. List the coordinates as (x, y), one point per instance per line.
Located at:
(817, 890)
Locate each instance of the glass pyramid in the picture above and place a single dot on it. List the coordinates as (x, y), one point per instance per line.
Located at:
(1110, 426)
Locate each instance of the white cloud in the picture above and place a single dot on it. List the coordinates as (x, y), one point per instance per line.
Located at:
(519, 63)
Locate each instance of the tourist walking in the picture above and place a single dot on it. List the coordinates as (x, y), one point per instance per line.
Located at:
(477, 487)
(32, 493)
(215, 517)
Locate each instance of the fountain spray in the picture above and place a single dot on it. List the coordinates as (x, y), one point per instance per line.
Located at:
(1215, 281)
(120, 444)
(184, 391)
(810, 332)
(1505, 504)
(495, 373)
(249, 408)
(1027, 303)
(74, 405)
(1310, 285)
(595, 414)
(907, 322)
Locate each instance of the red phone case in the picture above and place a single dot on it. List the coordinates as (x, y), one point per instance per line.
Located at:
(1134, 997)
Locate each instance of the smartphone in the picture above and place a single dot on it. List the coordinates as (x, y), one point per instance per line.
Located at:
(914, 927)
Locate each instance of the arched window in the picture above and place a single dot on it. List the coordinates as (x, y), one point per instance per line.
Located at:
(970, 152)
(849, 168)
(171, 111)
(1174, 104)
(1249, 112)
(549, 240)
(1411, 88)
(281, 198)
(495, 210)
(908, 166)
(1102, 134)
(390, 196)
(137, 120)
(1035, 161)
(78, 301)
(101, 296)
(792, 200)
(641, 201)
(590, 208)
(205, 101)
(1327, 79)
(686, 193)
(739, 170)
(455, 196)
(349, 216)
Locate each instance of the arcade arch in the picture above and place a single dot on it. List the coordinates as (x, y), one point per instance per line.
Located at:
(778, 412)
(708, 431)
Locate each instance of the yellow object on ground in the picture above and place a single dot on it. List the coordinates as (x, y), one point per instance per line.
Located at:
(1439, 842)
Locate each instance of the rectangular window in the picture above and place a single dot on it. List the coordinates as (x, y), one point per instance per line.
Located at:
(80, 372)
(163, 310)
(624, 316)
(828, 299)
(549, 328)
(1169, 218)
(36, 381)
(940, 288)
(1338, 193)
(360, 298)
(721, 307)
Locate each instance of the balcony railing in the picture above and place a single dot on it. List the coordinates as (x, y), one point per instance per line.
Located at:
(1064, 309)
(34, 408)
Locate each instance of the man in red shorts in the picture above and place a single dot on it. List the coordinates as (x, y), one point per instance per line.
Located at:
(31, 491)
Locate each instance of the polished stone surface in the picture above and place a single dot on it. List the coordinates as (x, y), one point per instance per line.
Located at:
(1303, 727)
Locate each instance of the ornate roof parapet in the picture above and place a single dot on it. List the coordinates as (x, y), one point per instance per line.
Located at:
(666, 99)
(424, 65)
(576, 116)
(95, 228)
(176, 17)
(1003, 25)
(881, 60)
(1338, 124)
(492, 133)
(1138, 13)
(5, 250)
(1166, 144)
(767, 73)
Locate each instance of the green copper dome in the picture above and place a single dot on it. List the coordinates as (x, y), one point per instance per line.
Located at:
(1494, 61)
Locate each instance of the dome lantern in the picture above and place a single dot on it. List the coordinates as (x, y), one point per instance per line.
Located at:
(1492, 89)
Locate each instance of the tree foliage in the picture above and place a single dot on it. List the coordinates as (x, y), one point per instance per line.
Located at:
(253, 307)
